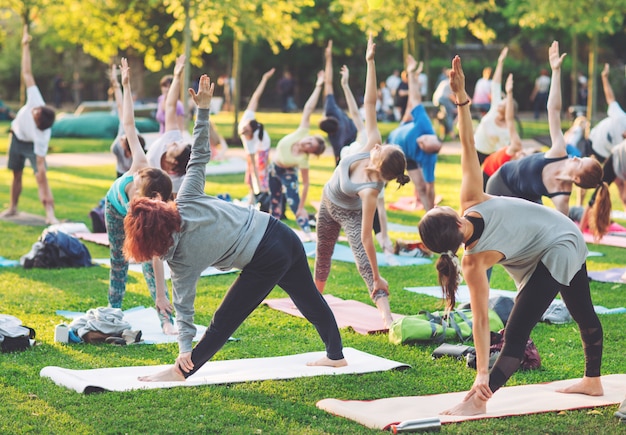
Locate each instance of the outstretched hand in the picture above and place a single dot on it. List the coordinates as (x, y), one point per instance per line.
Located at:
(605, 70)
(553, 56)
(503, 54)
(320, 78)
(411, 64)
(345, 75)
(371, 49)
(457, 76)
(25, 35)
(125, 70)
(205, 92)
(269, 74)
(180, 65)
(508, 86)
(113, 74)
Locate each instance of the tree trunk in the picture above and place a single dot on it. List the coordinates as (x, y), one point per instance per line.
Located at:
(574, 74)
(236, 74)
(592, 86)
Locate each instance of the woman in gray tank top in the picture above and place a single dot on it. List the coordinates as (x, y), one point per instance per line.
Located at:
(545, 254)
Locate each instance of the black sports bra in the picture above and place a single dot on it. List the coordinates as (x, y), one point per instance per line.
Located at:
(479, 226)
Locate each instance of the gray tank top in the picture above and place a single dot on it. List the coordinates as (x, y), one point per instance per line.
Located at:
(344, 192)
(527, 233)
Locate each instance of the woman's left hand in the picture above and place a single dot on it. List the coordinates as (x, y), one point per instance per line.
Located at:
(184, 363)
(480, 389)
(381, 284)
(163, 306)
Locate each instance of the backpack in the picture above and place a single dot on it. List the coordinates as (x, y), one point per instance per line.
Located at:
(56, 249)
(96, 214)
(13, 335)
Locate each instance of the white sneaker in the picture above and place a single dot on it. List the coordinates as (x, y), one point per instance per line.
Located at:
(556, 314)
(391, 259)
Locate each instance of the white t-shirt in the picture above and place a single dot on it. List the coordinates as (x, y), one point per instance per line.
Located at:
(619, 160)
(489, 136)
(255, 144)
(482, 91)
(158, 148)
(422, 79)
(608, 132)
(543, 84)
(24, 127)
(393, 82)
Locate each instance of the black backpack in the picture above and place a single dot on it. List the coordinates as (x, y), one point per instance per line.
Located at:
(13, 335)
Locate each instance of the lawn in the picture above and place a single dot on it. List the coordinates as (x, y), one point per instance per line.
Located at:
(30, 404)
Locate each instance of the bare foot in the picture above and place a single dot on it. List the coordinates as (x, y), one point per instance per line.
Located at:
(52, 221)
(169, 329)
(328, 362)
(588, 386)
(472, 406)
(167, 375)
(9, 212)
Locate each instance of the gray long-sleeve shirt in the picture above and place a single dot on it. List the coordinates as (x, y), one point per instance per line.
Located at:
(213, 233)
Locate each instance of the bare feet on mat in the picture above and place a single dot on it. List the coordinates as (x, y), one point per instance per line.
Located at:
(167, 375)
(588, 386)
(169, 329)
(471, 406)
(9, 213)
(327, 362)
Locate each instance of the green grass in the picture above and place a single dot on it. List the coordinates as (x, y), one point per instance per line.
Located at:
(30, 404)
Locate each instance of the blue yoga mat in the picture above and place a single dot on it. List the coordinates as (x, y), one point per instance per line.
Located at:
(344, 253)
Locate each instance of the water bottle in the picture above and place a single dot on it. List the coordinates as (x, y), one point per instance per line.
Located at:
(61, 333)
(432, 424)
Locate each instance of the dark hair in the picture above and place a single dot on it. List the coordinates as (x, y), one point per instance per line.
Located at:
(256, 125)
(182, 160)
(154, 183)
(330, 124)
(592, 178)
(440, 233)
(124, 142)
(149, 226)
(393, 166)
(166, 80)
(321, 145)
(45, 118)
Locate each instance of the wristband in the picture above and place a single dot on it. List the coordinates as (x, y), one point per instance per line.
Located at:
(462, 104)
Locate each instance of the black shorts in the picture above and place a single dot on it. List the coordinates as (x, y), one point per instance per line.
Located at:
(411, 164)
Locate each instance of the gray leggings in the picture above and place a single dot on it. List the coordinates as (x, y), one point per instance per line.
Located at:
(330, 220)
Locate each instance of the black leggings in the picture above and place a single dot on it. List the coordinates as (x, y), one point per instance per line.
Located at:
(530, 304)
(280, 259)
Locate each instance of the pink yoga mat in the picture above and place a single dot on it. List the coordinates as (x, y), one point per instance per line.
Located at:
(409, 203)
(99, 238)
(608, 240)
(364, 319)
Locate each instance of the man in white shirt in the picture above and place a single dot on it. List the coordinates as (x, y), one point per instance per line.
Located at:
(29, 139)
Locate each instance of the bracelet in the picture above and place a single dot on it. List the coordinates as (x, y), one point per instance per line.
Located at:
(462, 104)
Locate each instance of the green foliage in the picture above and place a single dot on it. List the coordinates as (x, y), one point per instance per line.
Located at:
(30, 404)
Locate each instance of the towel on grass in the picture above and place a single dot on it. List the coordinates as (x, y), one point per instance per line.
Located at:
(507, 401)
(218, 372)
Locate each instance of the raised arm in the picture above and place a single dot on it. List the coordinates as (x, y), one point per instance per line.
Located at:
(558, 148)
(515, 145)
(310, 104)
(253, 104)
(369, 100)
(606, 85)
(413, 70)
(497, 74)
(27, 72)
(353, 107)
(173, 95)
(472, 180)
(328, 69)
(128, 121)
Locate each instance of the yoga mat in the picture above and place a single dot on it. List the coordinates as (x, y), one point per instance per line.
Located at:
(607, 240)
(5, 262)
(464, 296)
(410, 203)
(362, 318)
(98, 238)
(344, 253)
(136, 267)
(508, 401)
(24, 218)
(391, 226)
(217, 372)
(230, 165)
(145, 320)
(610, 275)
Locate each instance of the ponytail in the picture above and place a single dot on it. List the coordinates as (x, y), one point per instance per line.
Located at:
(449, 270)
(598, 215)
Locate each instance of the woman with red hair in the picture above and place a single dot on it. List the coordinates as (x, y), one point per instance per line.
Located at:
(197, 231)
(139, 180)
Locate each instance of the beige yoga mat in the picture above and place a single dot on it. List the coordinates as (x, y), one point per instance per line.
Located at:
(24, 218)
(136, 267)
(508, 401)
(217, 372)
(364, 319)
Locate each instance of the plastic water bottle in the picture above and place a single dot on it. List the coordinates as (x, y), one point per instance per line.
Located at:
(432, 424)
(61, 333)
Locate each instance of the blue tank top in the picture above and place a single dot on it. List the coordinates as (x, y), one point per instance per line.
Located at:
(117, 196)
